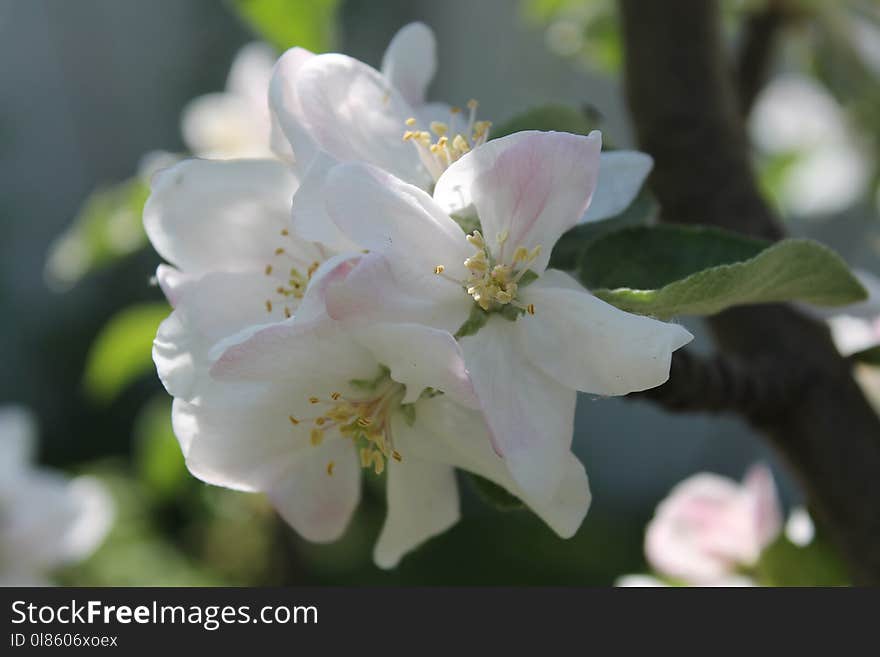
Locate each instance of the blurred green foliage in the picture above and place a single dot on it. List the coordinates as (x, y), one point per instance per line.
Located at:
(310, 24)
(107, 227)
(122, 351)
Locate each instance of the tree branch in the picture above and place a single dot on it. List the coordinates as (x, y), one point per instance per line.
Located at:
(725, 384)
(686, 115)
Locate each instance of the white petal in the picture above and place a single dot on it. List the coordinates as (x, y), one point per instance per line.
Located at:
(410, 61)
(239, 446)
(621, 176)
(373, 291)
(422, 502)
(318, 355)
(589, 345)
(206, 215)
(309, 212)
(287, 112)
(386, 215)
(420, 357)
(221, 125)
(533, 186)
(354, 114)
(208, 309)
(458, 436)
(319, 494)
(49, 520)
(250, 74)
(530, 416)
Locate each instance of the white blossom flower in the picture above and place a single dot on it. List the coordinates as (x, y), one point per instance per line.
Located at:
(235, 122)
(222, 226)
(298, 408)
(46, 519)
(540, 336)
(709, 526)
(333, 108)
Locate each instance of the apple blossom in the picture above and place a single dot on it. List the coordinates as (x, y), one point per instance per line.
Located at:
(235, 122)
(222, 226)
(531, 337)
(47, 519)
(300, 407)
(333, 108)
(710, 526)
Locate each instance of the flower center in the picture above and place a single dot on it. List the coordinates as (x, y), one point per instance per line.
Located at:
(444, 143)
(494, 283)
(291, 274)
(366, 420)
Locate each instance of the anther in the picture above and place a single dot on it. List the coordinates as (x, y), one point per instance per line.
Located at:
(293, 420)
(268, 270)
(268, 306)
(316, 437)
(410, 122)
(314, 400)
(335, 396)
(330, 467)
(279, 250)
(439, 269)
(396, 456)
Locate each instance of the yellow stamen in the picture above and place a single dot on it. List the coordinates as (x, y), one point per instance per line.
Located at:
(293, 420)
(330, 467)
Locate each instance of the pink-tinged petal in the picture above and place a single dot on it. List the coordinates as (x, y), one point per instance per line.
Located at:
(287, 113)
(693, 518)
(760, 487)
(709, 526)
(386, 215)
(319, 494)
(317, 355)
(207, 215)
(420, 357)
(589, 345)
(422, 503)
(531, 186)
(621, 176)
(446, 432)
(530, 416)
(410, 62)
(374, 291)
(639, 581)
(356, 115)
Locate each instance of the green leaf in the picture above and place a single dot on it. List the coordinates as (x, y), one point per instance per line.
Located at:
(495, 495)
(548, 117)
(107, 227)
(569, 249)
(123, 350)
(310, 24)
(870, 356)
(672, 270)
(157, 456)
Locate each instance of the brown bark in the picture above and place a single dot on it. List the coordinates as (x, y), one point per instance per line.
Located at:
(687, 116)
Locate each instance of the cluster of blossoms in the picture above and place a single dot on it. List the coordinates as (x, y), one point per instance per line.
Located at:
(46, 520)
(376, 297)
(711, 530)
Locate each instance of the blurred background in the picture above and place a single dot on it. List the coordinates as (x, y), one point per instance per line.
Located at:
(89, 88)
